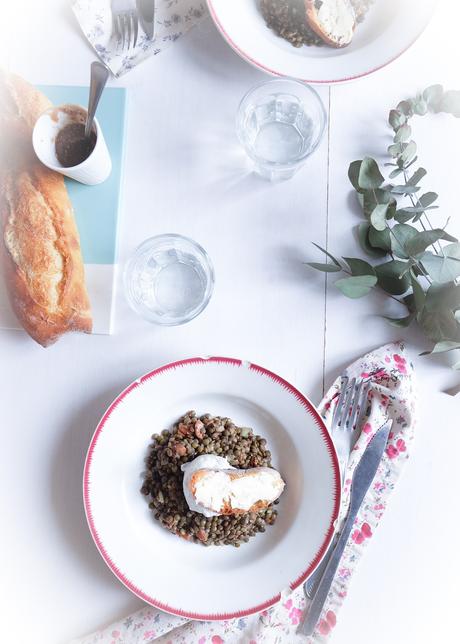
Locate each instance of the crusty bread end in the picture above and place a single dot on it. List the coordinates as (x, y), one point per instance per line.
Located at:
(39, 243)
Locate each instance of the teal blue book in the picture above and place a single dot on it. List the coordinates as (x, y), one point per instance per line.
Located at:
(97, 208)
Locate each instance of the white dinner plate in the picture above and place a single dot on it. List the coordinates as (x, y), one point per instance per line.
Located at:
(185, 578)
(389, 28)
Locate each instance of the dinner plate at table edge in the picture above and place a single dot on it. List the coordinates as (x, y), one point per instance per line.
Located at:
(184, 578)
(388, 30)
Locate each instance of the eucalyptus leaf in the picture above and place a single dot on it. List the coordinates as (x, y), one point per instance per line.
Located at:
(403, 133)
(439, 325)
(401, 323)
(353, 174)
(442, 347)
(371, 198)
(450, 102)
(441, 269)
(403, 215)
(409, 152)
(380, 239)
(395, 149)
(392, 277)
(441, 297)
(417, 176)
(432, 95)
(405, 107)
(418, 293)
(396, 173)
(363, 237)
(396, 119)
(417, 210)
(452, 250)
(323, 250)
(409, 301)
(359, 266)
(400, 235)
(428, 198)
(325, 268)
(405, 190)
(379, 217)
(358, 286)
(423, 239)
(421, 107)
(408, 165)
(369, 174)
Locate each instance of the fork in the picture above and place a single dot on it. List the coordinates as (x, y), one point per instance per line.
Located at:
(125, 23)
(344, 426)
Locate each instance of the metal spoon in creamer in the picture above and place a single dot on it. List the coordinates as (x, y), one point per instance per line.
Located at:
(99, 76)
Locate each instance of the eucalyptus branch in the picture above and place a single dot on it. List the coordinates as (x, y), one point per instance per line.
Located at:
(427, 283)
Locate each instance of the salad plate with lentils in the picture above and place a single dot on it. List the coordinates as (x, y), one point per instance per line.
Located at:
(210, 486)
(321, 41)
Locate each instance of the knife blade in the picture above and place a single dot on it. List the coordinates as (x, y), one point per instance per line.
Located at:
(364, 475)
(146, 10)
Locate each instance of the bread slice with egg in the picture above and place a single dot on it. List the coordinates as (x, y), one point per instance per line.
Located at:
(233, 492)
(333, 20)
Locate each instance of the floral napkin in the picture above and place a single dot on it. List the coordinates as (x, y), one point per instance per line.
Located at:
(391, 395)
(173, 18)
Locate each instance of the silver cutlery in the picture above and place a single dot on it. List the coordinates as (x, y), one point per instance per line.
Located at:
(99, 76)
(125, 23)
(344, 427)
(362, 479)
(146, 10)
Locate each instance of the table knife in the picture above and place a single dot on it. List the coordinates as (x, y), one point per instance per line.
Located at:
(364, 475)
(146, 10)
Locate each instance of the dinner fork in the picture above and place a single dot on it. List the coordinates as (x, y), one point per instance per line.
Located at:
(345, 423)
(125, 23)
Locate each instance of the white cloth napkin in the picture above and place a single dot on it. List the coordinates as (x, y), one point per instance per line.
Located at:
(392, 395)
(173, 18)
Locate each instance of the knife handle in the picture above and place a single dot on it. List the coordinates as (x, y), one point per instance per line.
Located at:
(324, 586)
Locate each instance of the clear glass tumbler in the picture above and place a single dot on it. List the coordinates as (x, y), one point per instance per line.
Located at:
(169, 280)
(280, 123)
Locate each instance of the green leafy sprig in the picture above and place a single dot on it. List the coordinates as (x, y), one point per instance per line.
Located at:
(418, 263)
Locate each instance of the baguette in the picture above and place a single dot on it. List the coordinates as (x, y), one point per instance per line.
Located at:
(39, 245)
(332, 20)
(267, 486)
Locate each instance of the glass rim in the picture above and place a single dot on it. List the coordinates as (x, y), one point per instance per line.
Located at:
(209, 272)
(323, 121)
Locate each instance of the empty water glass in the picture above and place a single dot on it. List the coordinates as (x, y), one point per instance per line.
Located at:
(169, 279)
(280, 123)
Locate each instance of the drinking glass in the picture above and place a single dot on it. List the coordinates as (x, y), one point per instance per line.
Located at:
(169, 280)
(280, 123)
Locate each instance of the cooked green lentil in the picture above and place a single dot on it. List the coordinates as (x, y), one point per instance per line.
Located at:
(190, 437)
(288, 19)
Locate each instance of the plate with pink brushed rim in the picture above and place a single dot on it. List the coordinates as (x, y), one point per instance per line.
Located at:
(389, 28)
(185, 578)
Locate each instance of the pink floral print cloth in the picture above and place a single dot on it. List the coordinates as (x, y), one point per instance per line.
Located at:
(391, 395)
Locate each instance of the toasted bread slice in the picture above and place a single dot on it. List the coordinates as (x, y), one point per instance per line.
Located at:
(333, 20)
(233, 492)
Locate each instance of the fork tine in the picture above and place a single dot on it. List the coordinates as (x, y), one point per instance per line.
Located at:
(119, 30)
(338, 407)
(136, 27)
(363, 403)
(356, 403)
(115, 31)
(121, 22)
(128, 22)
(346, 407)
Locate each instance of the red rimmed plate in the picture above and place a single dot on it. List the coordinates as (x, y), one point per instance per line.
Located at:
(390, 27)
(187, 579)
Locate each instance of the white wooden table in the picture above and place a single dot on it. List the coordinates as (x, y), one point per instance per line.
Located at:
(185, 173)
